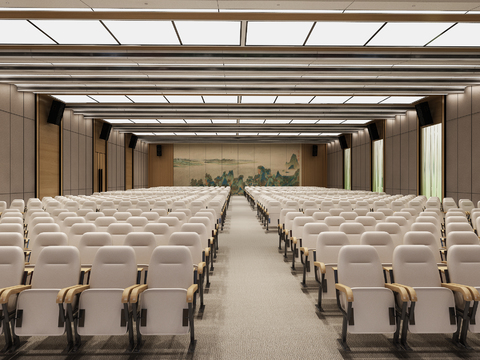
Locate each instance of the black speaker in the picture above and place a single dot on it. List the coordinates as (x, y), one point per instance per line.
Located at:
(343, 142)
(314, 150)
(56, 112)
(159, 150)
(133, 142)
(105, 133)
(373, 131)
(424, 114)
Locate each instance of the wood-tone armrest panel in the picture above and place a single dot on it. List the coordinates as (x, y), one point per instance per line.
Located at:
(200, 267)
(12, 291)
(400, 290)
(191, 292)
(410, 290)
(294, 240)
(304, 250)
(127, 292)
(467, 295)
(136, 292)
(345, 289)
(72, 291)
(323, 268)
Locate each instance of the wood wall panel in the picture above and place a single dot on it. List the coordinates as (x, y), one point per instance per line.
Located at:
(313, 168)
(160, 168)
(99, 156)
(128, 164)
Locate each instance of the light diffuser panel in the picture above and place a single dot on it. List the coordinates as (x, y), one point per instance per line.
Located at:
(356, 122)
(198, 121)
(119, 121)
(251, 121)
(227, 133)
(309, 134)
(111, 98)
(268, 134)
(288, 134)
(184, 99)
(248, 134)
(171, 121)
(277, 122)
(21, 32)
(462, 34)
(185, 134)
(329, 134)
(342, 33)
(330, 122)
(329, 99)
(145, 121)
(165, 134)
(401, 99)
(143, 32)
(74, 98)
(209, 32)
(220, 99)
(206, 134)
(365, 99)
(277, 32)
(224, 121)
(258, 99)
(303, 121)
(147, 98)
(408, 33)
(76, 31)
(293, 99)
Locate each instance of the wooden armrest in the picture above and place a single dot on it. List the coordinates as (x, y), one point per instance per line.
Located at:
(70, 293)
(191, 292)
(126, 293)
(467, 295)
(320, 265)
(294, 240)
(410, 290)
(387, 268)
(25, 250)
(140, 269)
(211, 241)
(136, 291)
(334, 268)
(345, 289)
(207, 251)
(86, 269)
(400, 290)
(475, 293)
(12, 291)
(200, 267)
(304, 250)
(9, 287)
(442, 266)
(215, 232)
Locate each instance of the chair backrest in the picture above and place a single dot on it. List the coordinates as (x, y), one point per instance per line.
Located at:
(63, 215)
(326, 205)
(38, 220)
(290, 217)
(77, 230)
(181, 216)
(151, 216)
(173, 223)
(198, 228)
(124, 205)
(92, 216)
(44, 240)
(72, 205)
(423, 238)
(368, 222)
(353, 231)
(349, 215)
(455, 219)
(409, 261)
(11, 239)
(417, 205)
(464, 264)
(138, 222)
(379, 204)
(400, 220)
(430, 219)
(143, 243)
(18, 204)
(7, 228)
(196, 206)
(122, 216)
(92, 205)
(113, 267)
(451, 227)
(329, 244)
(211, 217)
(119, 231)
(320, 215)
(385, 211)
(345, 205)
(448, 203)
(362, 204)
(425, 226)
(134, 211)
(466, 205)
(393, 229)
(298, 224)
(462, 238)
(103, 222)
(12, 220)
(335, 211)
(310, 233)
(382, 242)
(12, 265)
(39, 228)
(57, 267)
(334, 222)
(192, 241)
(283, 214)
(379, 216)
(360, 266)
(90, 243)
(170, 267)
(160, 231)
(143, 205)
(397, 205)
(70, 221)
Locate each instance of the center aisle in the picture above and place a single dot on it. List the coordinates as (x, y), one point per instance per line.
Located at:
(255, 308)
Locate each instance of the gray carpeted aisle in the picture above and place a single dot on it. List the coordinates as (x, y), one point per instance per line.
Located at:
(255, 309)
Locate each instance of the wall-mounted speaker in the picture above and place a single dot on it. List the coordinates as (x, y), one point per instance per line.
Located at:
(424, 114)
(106, 129)
(133, 142)
(373, 131)
(56, 112)
(314, 150)
(159, 150)
(343, 142)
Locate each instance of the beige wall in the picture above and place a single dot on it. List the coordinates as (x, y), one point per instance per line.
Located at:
(362, 160)
(17, 139)
(116, 161)
(314, 168)
(335, 165)
(140, 165)
(77, 154)
(160, 168)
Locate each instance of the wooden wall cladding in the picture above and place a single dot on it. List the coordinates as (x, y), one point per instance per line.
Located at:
(314, 168)
(99, 157)
(160, 168)
(128, 164)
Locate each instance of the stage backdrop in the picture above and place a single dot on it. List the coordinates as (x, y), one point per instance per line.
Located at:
(236, 165)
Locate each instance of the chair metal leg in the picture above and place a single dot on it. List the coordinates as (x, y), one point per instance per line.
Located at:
(193, 342)
(6, 328)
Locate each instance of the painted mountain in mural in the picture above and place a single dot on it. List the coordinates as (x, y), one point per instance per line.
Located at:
(293, 163)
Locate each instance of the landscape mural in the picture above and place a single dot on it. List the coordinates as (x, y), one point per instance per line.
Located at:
(236, 165)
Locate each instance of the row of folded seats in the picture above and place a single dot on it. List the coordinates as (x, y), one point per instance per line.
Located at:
(126, 273)
(388, 270)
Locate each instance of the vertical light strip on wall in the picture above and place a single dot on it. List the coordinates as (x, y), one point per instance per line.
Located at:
(431, 161)
(377, 166)
(347, 169)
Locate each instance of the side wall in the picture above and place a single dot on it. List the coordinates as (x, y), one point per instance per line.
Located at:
(17, 139)
(314, 168)
(116, 161)
(361, 161)
(140, 165)
(335, 165)
(160, 168)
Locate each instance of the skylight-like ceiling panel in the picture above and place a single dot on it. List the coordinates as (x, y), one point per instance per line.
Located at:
(111, 98)
(356, 122)
(132, 32)
(277, 32)
(206, 134)
(74, 98)
(330, 122)
(144, 133)
(81, 32)
(293, 99)
(227, 133)
(165, 134)
(309, 134)
(220, 99)
(145, 121)
(198, 121)
(329, 134)
(148, 98)
(171, 121)
(277, 122)
(209, 32)
(248, 133)
(329, 99)
(365, 99)
(21, 32)
(224, 121)
(288, 134)
(341, 33)
(401, 99)
(408, 33)
(258, 99)
(303, 121)
(185, 134)
(251, 121)
(119, 121)
(185, 99)
(268, 134)
(462, 34)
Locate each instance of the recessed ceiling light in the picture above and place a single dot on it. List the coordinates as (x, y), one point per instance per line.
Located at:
(304, 121)
(288, 134)
(206, 134)
(309, 134)
(227, 133)
(224, 121)
(330, 99)
(144, 133)
(279, 121)
(119, 121)
(145, 121)
(248, 133)
(111, 98)
(74, 98)
(198, 121)
(185, 99)
(342, 33)
(185, 134)
(356, 122)
(171, 121)
(21, 32)
(401, 99)
(293, 99)
(165, 134)
(251, 121)
(209, 32)
(329, 134)
(147, 98)
(329, 122)
(268, 134)
(80, 32)
(408, 33)
(258, 99)
(462, 34)
(365, 99)
(277, 32)
(131, 32)
(220, 99)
